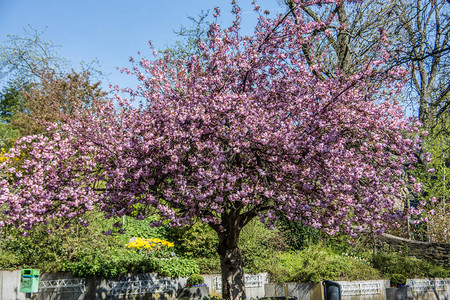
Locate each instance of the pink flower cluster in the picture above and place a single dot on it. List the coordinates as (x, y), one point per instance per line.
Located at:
(245, 129)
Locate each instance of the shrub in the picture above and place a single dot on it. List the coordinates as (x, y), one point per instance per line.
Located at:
(398, 280)
(208, 265)
(297, 235)
(124, 262)
(317, 263)
(409, 267)
(195, 279)
(258, 244)
(198, 240)
(180, 267)
(110, 267)
(9, 261)
(135, 228)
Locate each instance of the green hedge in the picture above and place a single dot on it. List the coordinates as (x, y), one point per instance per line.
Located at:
(410, 267)
(132, 263)
(317, 263)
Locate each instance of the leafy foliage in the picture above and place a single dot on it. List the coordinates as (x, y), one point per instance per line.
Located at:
(51, 251)
(195, 279)
(297, 235)
(181, 267)
(128, 262)
(317, 263)
(398, 280)
(141, 228)
(410, 267)
(259, 244)
(12, 100)
(84, 251)
(434, 174)
(198, 240)
(7, 137)
(208, 265)
(54, 99)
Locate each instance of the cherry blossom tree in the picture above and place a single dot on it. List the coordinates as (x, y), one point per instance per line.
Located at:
(245, 129)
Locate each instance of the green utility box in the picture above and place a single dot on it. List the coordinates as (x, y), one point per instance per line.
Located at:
(29, 280)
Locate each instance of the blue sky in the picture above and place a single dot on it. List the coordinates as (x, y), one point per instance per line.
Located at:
(112, 30)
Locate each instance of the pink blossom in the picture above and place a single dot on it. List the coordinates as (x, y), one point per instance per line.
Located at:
(246, 128)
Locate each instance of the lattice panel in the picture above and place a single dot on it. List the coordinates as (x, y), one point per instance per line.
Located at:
(428, 285)
(140, 287)
(62, 285)
(251, 281)
(360, 288)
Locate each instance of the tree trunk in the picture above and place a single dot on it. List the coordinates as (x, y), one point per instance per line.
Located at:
(232, 267)
(374, 243)
(231, 261)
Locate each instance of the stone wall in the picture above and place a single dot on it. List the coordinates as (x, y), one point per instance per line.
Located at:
(437, 252)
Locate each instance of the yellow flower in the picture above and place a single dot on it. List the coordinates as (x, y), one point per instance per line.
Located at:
(153, 244)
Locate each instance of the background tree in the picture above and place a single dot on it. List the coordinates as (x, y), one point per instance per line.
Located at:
(417, 31)
(23, 58)
(22, 61)
(417, 34)
(424, 28)
(241, 131)
(37, 87)
(54, 99)
(190, 36)
(355, 29)
(435, 178)
(11, 101)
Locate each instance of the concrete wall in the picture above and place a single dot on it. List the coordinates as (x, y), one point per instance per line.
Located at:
(302, 291)
(425, 289)
(9, 285)
(364, 290)
(421, 289)
(351, 290)
(254, 284)
(437, 252)
(63, 286)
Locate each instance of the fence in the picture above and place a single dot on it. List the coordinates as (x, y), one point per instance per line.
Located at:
(62, 286)
(254, 284)
(424, 289)
(351, 290)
